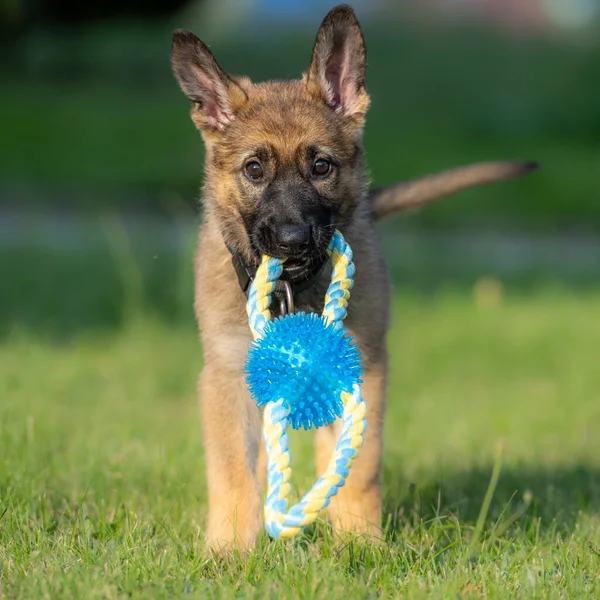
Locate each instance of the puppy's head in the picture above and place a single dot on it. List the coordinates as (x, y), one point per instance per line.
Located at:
(284, 159)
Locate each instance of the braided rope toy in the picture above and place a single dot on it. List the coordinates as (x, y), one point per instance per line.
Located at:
(306, 371)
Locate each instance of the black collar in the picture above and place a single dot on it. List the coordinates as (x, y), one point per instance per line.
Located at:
(246, 273)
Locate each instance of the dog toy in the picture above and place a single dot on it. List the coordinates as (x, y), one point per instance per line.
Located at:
(306, 371)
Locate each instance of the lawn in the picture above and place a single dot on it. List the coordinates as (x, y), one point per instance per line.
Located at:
(491, 478)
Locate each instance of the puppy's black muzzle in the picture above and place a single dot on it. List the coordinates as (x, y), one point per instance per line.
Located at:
(294, 222)
(304, 248)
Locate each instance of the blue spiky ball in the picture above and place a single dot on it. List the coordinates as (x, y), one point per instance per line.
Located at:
(306, 361)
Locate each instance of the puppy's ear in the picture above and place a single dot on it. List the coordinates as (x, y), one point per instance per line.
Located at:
(203, 81)
(338, 66)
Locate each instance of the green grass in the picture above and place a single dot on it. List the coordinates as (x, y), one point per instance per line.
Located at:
(101, 471)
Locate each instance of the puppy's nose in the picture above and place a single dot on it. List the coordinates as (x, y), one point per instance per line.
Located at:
(293, 239)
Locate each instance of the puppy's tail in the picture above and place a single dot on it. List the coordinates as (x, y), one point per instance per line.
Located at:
(419, 192)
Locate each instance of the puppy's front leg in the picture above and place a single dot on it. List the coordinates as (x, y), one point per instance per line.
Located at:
(232, 426)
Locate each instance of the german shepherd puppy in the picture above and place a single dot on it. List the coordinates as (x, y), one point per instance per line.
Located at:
(284, 169)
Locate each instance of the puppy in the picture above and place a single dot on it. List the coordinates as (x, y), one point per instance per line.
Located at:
(285, 168)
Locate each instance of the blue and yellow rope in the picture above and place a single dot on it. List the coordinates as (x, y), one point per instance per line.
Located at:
(279, 521)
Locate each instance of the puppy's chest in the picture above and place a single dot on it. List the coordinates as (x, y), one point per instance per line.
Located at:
(313, 298)
(309, 304)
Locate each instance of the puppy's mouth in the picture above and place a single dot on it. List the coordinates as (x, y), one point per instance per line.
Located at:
(297, 269)
(300, 266)
(296, 263)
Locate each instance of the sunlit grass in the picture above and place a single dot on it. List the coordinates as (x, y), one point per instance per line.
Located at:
(101, 473)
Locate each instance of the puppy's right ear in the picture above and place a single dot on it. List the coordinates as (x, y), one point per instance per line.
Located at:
(203, 81)
(337, 70)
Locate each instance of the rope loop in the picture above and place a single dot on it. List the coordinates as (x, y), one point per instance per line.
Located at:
(279, 521)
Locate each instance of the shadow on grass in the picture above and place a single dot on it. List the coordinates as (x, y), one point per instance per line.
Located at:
(547, 500)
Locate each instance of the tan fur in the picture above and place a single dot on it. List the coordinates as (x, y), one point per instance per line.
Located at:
(282, 119)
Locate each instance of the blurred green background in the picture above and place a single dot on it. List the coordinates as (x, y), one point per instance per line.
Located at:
(100, 167)
(496, 305)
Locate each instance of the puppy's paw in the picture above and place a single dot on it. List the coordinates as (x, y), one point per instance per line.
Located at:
(356, 516)
(233, 534)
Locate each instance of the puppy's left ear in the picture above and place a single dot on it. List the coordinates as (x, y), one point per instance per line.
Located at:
(215, 94)
(337, 70)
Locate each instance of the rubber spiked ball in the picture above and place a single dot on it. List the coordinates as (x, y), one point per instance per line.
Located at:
(308, 363)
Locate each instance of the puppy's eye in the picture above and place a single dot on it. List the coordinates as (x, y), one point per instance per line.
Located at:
(253, 171)
(321, 167)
